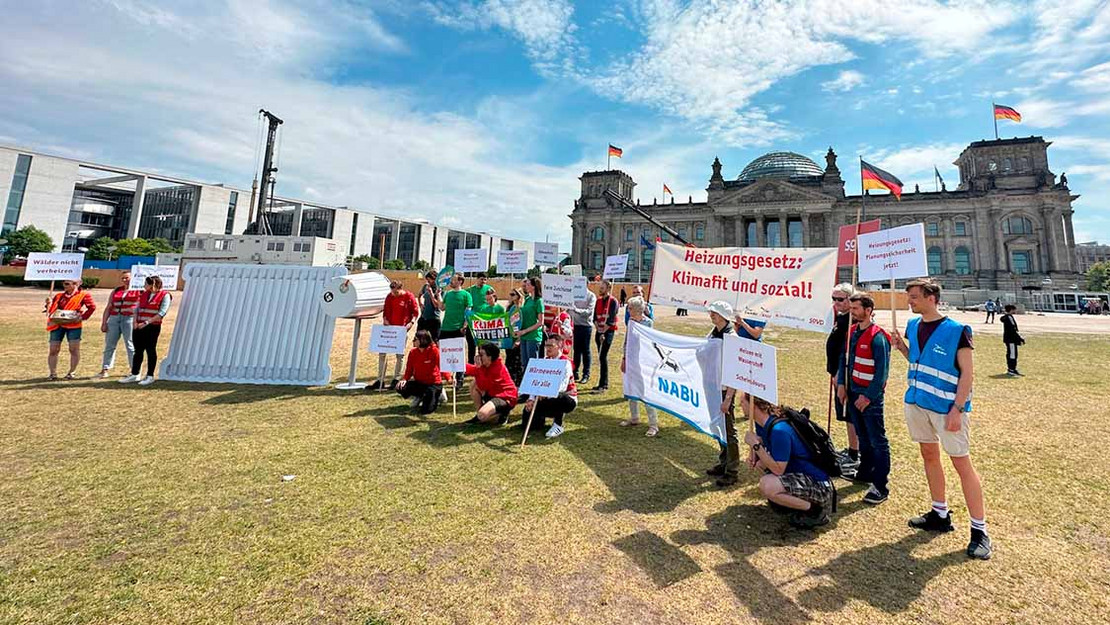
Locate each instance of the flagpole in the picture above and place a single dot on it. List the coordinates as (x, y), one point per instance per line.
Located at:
(995, 118)
(609, 152)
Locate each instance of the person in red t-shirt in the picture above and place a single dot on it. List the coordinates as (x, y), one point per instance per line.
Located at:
(65, 312)
(555, 407)
(422, 382)
(401, 309)
(493, 391)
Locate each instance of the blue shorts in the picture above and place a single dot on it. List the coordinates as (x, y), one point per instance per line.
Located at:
(70, 334)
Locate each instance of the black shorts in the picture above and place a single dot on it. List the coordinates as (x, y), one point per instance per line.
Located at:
(501, 407)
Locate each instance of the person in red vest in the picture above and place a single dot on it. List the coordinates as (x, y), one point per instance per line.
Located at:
(154, 305)
(64, 314)
(867, 364)
(493, 391)
(422, 382)
(605, 325)
(117, 321)
(554, 407)
(401, 309)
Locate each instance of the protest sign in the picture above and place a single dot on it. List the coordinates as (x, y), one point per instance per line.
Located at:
(388, 339)
(846, 247)
(491, 328)
(564, 291)
(51, 266)
(168, 274)
(750, 366)
(680, 375)
(547, 254)
(893, 253)
(572, 270)
(471, 260)
(616, 267)
(512, 261)
(452, 355)
(785, 286)
(544, 377)
(443, 278)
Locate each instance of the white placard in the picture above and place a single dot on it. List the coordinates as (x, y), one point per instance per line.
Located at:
(168, 273)
(572, 270)
(616, 267)
(51, 266)
(547, 254)
(544, 376)
(893, 253)
(750, 366)
(388, 339)
(512, 261)
(564, 291)
(471, 260)
(452, 355)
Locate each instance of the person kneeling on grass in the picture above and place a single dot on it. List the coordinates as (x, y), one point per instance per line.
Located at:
(791, 479)
(554, 407)
(422, 382)
(493, 391)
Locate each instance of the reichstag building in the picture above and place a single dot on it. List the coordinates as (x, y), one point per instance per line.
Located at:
(1007, 225)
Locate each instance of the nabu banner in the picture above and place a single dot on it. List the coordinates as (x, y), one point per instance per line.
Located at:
(493, 328)
(680, 375)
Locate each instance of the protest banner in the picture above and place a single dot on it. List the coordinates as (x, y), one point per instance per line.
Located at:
(750, 366)
(846, 246)
(616, 266)
(680, 375)
(168, 274)
(471, 260)
(893, 253)
(512, 261)
(785, 286)
(544, 377)
(547, 254)
(388, 339)
(491, 328)
(443, 278)
(53, 266)
(572, 270)
(564, 291)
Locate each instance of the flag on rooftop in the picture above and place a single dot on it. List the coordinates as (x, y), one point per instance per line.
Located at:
(1005, 112)
(875, 178)
(615, 151)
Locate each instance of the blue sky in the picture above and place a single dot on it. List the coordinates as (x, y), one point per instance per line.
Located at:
(483, 113)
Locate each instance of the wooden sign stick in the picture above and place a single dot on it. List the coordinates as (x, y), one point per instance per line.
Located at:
(528, 426)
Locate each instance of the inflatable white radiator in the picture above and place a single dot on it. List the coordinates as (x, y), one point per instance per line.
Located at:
(252, 324)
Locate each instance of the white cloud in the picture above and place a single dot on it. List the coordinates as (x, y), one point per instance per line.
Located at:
(845, 81)
(543, 26)
(1095, 78)
(1045, 113)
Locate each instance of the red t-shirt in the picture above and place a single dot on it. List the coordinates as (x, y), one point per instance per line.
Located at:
(494, 381)
(422, 365)
(400, 309)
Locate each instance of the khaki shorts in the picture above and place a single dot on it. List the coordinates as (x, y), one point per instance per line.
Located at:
(926, 426)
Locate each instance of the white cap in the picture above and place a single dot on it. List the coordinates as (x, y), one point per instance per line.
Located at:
(722, 308)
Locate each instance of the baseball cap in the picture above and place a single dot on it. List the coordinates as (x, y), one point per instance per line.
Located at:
(722, 308)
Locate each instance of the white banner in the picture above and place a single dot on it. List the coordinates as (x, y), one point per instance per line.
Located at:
(452, 355)
(752, 367)
(547, 254)
(616, 267)
(785, 286)
(388, 339)
(471, 260)
(564, 291)
(680, 375)
(168, 274)
(512, 261)
(572, 270)
(893, 253)
(51, 266)
(544, 377)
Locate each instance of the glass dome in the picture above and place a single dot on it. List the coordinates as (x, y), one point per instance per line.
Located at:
(780, 165)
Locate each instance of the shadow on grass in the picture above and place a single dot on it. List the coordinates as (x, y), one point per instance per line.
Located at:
(1002, 376)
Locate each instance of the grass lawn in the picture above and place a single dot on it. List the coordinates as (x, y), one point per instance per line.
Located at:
(166, 504)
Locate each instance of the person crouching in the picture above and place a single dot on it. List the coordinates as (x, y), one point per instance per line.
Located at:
(422, 382)
(554, 407)
(493, 391)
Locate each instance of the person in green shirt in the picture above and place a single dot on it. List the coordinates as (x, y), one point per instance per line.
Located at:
(490, 307)
(477, 298)
(531, 321)
(455, 304)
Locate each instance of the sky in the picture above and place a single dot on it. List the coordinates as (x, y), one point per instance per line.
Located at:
(483, 113)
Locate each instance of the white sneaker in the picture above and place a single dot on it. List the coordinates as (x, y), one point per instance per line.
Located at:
(554, 431)
(103, 374)
(129, 379)
(443, 397)
(147, 381)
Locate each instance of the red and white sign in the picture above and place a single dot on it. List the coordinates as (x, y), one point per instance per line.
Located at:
(846, 247)
(750, 366)
(544, 377)
(452, 355)
(893, 253)
(51, 266)
(512, 261)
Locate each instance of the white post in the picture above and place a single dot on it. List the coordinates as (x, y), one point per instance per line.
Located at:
(350, 384)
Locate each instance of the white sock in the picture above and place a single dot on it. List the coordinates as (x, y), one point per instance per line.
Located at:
(941, 508)
(979, 524)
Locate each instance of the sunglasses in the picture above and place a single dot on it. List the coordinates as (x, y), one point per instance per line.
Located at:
(839, 299)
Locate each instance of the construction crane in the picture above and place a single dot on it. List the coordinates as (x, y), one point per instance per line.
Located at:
(261, 226)
(612, 198)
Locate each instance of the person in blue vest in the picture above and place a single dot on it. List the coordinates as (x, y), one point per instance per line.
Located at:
(861, 387)
(939, 351)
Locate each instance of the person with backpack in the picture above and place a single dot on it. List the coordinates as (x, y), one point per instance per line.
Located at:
(1012, 339)
(796, 461)
(861, 385)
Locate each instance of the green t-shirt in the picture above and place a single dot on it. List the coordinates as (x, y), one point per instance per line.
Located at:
(478, 294)
(529, 314)
(486, 309)
(455, 304)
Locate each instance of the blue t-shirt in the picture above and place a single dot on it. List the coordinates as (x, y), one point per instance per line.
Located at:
(786, 446)
(755, 323)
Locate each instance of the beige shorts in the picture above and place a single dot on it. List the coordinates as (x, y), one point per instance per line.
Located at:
(926, 426)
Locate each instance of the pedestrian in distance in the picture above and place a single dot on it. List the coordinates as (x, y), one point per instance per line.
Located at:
(991, 308)
(1012, 339)
(154, 305)
(65, 313)
(118, 323)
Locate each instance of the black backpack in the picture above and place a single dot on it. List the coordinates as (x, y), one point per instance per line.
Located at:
(821, 450)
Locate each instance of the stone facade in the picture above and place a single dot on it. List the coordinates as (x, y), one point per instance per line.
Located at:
(1008, 224)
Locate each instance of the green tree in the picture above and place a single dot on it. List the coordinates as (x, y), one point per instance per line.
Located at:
(1098, 276)
(101, 249)
(370, 261)
(396, 264)
(491, 271)
(159, 245)
(133, 247)
(29, 239)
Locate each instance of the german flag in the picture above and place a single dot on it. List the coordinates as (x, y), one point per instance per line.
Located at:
(1005, 112)
(875, 178)
(667, 189)
(615, 151)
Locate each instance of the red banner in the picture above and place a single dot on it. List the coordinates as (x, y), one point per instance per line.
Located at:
(846, 248)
